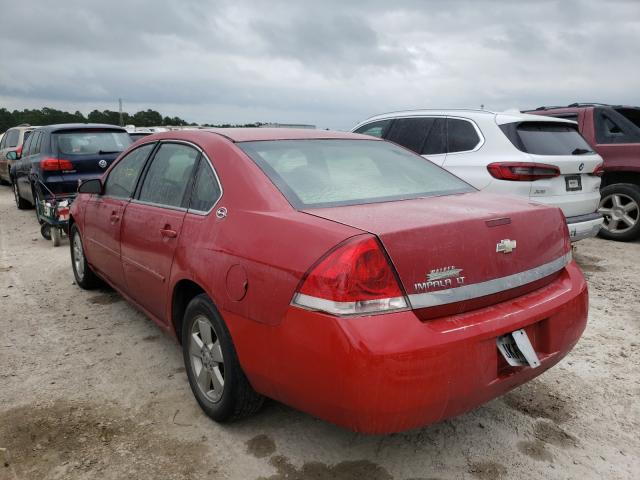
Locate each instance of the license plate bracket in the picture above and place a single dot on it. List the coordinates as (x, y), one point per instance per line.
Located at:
(573, 183)
(517, 350)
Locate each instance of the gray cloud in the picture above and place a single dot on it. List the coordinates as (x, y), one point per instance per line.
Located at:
(331, 63)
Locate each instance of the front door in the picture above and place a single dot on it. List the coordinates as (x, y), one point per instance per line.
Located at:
(103, 215)
(152, 224)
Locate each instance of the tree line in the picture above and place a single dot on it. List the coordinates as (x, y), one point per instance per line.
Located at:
(50, 116)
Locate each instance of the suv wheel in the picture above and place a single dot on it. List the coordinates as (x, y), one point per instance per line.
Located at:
(21, 203)
(214, 372)
(620, 205)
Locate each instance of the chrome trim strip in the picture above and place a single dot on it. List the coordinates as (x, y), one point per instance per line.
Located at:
(476, 290)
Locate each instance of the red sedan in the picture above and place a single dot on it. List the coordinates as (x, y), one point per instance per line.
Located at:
(339, 274)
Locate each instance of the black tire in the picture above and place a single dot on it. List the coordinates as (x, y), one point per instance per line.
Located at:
(237, 398)
(86, 278)
(45, 231)
(21, 203)
(614, 199)
(36, 199)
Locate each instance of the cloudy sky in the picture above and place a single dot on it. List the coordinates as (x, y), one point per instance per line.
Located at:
(325, 62)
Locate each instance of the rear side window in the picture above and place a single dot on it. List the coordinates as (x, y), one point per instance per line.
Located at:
(325, 173)
(411, 133)
(540, 138)
(122, 178)
(13, 136)
(461, 135)
(206, 190)
(170, 175)
(375, 129)
(92, 142)
(26, 146)
(612, 127)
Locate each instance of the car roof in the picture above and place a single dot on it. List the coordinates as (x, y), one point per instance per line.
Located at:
(257, 134)
(500, 117)
(81, 126)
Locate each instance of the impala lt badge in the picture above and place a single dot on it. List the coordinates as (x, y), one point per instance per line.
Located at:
(506, 246)
(441, 277)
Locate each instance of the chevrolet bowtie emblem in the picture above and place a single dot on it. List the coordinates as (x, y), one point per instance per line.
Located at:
(506, 246)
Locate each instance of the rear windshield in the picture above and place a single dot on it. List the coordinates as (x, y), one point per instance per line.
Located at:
(539, 138)
(89, 142)
(323, 173)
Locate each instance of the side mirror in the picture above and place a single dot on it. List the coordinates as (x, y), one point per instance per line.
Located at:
(12, 155)
(91, 186)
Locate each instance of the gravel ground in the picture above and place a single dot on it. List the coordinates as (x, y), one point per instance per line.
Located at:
(90, 388)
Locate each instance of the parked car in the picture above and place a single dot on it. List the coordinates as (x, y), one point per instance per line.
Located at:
(56, 158)
(136, 133)
(13, 140)
(337, 273)
(515, 154)
(614, 132)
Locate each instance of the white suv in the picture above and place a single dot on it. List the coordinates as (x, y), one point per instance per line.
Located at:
(542, 158)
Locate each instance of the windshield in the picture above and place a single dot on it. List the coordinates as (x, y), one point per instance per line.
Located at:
(540, 138)
(322, 173)
(88, 142)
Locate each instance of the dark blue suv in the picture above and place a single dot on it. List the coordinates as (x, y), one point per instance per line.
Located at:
(56, 158)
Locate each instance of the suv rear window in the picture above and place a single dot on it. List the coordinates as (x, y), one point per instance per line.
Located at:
(540, 138)
(91, 142)
(324, 173)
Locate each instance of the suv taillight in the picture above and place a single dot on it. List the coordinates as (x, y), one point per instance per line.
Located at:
(598, 171)
(522, 171)
(354, 278)
(55, 164)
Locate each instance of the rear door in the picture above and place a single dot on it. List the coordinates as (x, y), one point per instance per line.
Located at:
(617, 139)
(103, 215)
(152, 224)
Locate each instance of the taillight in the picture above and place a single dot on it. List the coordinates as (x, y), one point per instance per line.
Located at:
(355, 278)
(522, 171)
(598, 171)
(55, 164)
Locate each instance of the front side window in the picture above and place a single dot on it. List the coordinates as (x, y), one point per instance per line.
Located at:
(324, 173)
(13, 136)
(206, 190)
(461, 136)
(91, 142)
(169, 175)
(411, 133)
(375, 129)
(122, 178)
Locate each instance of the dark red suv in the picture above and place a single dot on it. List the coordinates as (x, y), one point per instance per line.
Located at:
(614, 132)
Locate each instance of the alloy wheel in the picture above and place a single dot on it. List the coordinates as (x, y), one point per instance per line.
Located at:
(621, 212)
(78, 256)
(207, 361)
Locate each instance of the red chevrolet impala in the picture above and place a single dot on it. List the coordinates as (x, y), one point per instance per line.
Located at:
(339, 274)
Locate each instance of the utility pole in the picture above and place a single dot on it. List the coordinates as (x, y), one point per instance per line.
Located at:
(120, 105)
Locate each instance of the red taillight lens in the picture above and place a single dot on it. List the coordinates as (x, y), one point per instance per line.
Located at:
(522, 171)
(55, 164)
(355, 278)
(598, 171)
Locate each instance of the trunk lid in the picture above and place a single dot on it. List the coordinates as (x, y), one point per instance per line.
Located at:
(454, 253)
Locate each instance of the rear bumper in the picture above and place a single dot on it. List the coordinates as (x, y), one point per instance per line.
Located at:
(392, 372)
(584, 226)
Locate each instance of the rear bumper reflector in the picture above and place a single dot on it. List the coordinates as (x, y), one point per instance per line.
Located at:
(468, 292)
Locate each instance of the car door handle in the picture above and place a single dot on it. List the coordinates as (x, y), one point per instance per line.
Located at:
(168, 233)
(115, 217)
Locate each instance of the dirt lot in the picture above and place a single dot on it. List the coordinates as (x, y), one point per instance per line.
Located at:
(90, 388)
